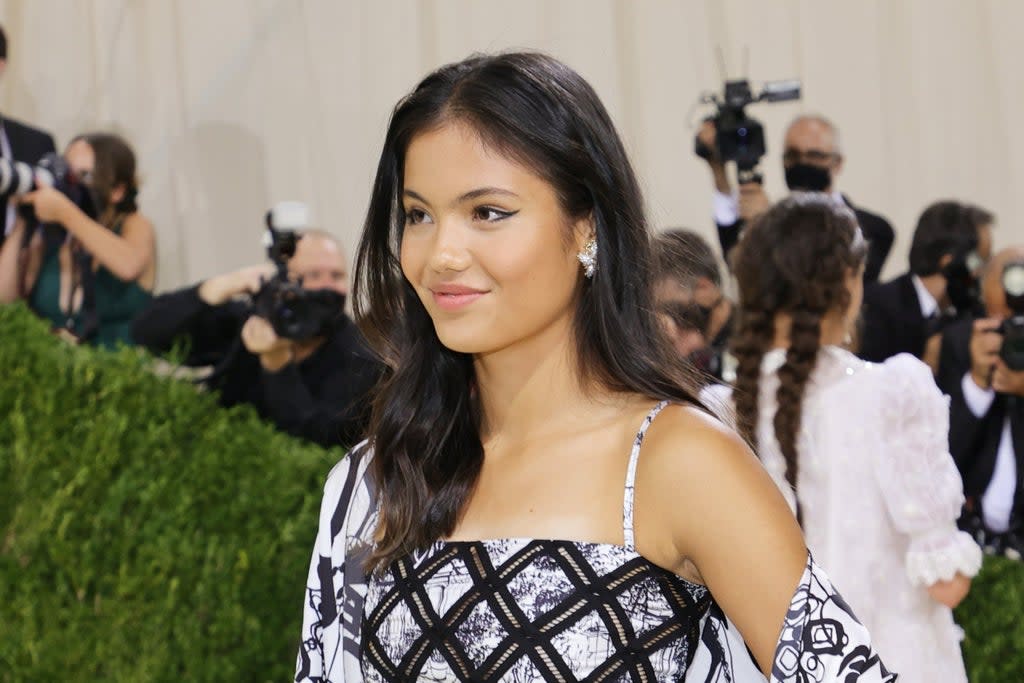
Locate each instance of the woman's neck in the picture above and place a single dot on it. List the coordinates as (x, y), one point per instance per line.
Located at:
(833, 330)
(531, 386)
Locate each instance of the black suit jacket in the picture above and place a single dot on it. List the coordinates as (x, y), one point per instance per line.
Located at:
(892, 320)
(877, 231)
(28, 144)
(974, 441)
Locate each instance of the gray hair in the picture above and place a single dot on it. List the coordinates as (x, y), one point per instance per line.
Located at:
(818, 118)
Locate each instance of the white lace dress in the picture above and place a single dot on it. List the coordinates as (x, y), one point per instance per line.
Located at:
(880, 496)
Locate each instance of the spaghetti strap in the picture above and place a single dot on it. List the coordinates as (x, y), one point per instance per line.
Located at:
(634, 457)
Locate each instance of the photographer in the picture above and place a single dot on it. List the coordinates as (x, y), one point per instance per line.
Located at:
(87, 273)
(316, 388)
(19, 141)
(812, 159)
(951, 242)
(986, 434)
(688, 293)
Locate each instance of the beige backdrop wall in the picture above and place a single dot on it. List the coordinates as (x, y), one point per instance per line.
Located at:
(235, 104)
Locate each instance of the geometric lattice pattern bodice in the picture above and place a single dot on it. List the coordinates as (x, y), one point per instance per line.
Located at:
(530, 610)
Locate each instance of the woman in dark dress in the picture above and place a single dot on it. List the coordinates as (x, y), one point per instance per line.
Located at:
(98, 274)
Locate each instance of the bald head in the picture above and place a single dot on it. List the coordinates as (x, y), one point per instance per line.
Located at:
(814, 131)
(991, 283)
(320, 261)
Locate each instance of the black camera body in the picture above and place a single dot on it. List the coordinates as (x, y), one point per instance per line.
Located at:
(738, 137)
(294, 312)
(1012, 329)
(18, 178)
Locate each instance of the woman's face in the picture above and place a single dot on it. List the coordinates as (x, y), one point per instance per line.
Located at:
(81, 159)
(486, 244)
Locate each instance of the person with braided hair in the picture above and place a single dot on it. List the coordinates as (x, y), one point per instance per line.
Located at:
(94, 276)
(858, 449)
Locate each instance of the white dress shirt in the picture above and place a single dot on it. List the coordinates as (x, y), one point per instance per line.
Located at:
(929, 306)
(727, 206)
(997, 501)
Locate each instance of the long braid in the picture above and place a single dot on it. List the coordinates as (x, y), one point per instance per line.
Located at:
(752, 339)
(801, 357)
(794, 261)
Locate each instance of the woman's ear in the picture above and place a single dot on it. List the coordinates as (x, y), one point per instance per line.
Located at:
(584, 230)
(117, 194)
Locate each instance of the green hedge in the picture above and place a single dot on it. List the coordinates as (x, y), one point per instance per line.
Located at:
(146, 534)
(992, 617)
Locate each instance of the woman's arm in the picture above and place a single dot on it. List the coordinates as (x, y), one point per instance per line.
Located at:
(704, 501)
(9, 257)
(920, 482)
(128, 255)
(723, 513)
(18, 269)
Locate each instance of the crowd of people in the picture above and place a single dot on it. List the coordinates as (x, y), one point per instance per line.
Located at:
(86, 263)
(498, 517)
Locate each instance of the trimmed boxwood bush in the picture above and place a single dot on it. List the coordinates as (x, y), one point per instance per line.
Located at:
(992, 617)
(146, 534)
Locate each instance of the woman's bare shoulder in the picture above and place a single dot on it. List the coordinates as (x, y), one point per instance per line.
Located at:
(700, 475)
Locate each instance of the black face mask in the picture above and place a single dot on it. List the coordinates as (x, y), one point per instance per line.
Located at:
(807, 178)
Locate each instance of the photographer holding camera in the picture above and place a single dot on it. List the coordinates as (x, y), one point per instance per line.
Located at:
(697, 315)
(812, 159)
(85, 261)
(951, 242)
(981, 367)
(19, 141)
(315, 387)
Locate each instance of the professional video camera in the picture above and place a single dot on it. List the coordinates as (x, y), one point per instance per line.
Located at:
(739, 137)
(18, 178)
(294, 312)
(1012, 329)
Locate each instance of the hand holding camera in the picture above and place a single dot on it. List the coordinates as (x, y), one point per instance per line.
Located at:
(244, 282)
(260, 339)
(49, 204)
(1007, 381)
(986, 341)
(753, 201)
(733, 135)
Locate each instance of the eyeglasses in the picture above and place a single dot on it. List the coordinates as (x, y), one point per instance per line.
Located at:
(813, 156)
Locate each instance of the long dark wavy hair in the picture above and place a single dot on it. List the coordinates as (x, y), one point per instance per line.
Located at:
(425, 429)
(794, 259)
(114, 166)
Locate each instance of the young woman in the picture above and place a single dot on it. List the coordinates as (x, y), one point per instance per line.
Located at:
(859, 450)
(93, 282)
(541, 497)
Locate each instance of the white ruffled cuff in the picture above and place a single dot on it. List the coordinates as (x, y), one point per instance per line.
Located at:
(935, 559)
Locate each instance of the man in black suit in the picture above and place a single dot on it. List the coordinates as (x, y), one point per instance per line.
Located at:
(951, 242)
(812, 159)
(986, 410)
(19, 141)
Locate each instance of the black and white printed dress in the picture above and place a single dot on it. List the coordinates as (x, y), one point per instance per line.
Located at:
(525, 610)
